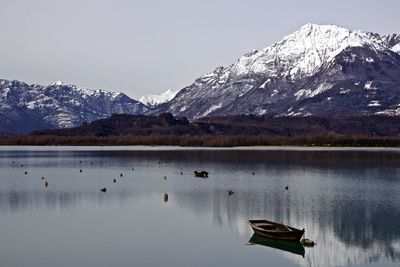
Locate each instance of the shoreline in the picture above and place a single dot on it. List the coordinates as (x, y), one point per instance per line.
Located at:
(4, 148)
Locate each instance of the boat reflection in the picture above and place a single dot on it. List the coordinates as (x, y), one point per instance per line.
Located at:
(290, 246)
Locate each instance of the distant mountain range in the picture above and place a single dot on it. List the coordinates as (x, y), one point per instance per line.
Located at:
(25, 108)
(316, 71)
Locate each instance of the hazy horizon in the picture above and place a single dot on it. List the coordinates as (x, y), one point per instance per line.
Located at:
(147, 48)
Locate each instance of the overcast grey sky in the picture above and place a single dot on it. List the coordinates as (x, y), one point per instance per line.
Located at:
(142, 47)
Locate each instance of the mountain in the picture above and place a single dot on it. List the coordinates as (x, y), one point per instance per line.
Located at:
(24, 108)
(318, 70)
(154, 100)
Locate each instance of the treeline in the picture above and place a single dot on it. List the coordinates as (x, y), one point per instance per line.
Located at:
(228, 131)
(203, 141)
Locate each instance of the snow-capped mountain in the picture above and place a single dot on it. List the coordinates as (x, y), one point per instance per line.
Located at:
(154, 100)
(317, 70)
(24, 108)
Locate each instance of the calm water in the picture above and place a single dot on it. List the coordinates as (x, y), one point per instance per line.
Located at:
(348, 202)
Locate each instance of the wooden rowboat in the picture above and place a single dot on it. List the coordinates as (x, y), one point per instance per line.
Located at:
(275, 230)
(202, 174)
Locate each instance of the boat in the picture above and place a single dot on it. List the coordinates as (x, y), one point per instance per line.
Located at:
(294, 247)
(276, 230)
(202, 174)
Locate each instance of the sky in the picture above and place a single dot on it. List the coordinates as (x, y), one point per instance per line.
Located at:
(147, 47)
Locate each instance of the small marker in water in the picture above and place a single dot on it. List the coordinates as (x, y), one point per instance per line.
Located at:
(80, 170)
(115, 180)
(121, 175)
(286, 187)
(103, 190)
(46, 184)
(26, 172)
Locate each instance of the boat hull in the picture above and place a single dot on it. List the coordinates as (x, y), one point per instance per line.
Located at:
(202, 174)
(283, 233)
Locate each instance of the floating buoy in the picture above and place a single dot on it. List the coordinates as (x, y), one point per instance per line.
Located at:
(230, 192)
(181, 173)
(26, 172)
(165, 197)
(253, 173)
(42, 177)
(46, 184)
(115, 180)
(307, 242)
(103, 190)
(286, 187)
(165, 177)
(80, 170)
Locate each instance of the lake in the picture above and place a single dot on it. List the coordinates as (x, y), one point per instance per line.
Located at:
(159, 214)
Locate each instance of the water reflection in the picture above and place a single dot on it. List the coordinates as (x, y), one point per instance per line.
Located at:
(289, 246)
(348, 202)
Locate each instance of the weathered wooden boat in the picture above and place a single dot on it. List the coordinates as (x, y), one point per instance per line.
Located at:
(276, 230)
(294, 247)
(202, 174)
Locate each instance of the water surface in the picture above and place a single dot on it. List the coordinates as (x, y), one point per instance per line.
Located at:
(348, 201)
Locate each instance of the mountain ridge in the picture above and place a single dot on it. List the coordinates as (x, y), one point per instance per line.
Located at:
(277, 73)
(318, 70)
(30, 107)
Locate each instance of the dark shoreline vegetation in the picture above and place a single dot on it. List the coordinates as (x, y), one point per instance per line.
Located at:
(229, 131)
(203, 141)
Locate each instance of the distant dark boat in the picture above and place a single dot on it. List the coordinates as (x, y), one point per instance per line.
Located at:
(276, 230)
(203, 174)
(294, 247)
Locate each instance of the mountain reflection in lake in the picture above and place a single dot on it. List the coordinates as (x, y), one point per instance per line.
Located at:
(348, 202)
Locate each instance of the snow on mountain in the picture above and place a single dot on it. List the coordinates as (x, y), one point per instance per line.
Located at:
(153, 100)
(303, 65)
(304, 51)
(31, 107)
(392, 41)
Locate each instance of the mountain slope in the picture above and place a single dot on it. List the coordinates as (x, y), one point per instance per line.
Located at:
(24, 108)
(317, 70)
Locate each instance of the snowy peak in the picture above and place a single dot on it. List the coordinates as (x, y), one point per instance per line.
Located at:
(58, 83)
(301, 53)
(153, 100)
